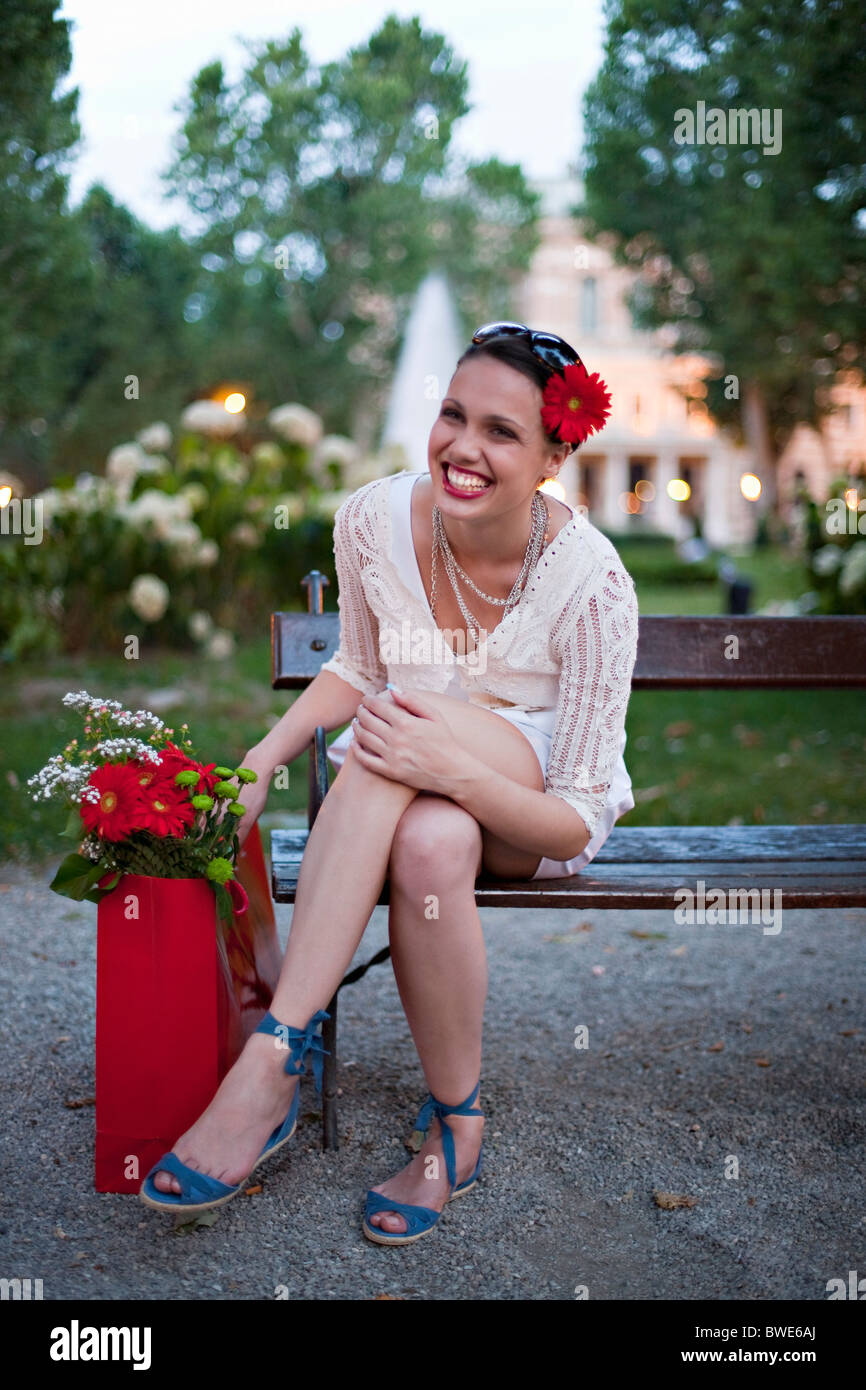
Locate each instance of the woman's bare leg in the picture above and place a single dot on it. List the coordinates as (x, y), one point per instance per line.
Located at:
(440, 964)
(341, 877)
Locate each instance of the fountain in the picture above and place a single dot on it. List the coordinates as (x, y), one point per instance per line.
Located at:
(431, 345)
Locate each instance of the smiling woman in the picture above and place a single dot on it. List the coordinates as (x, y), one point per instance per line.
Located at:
(415, 653)
(504, 753)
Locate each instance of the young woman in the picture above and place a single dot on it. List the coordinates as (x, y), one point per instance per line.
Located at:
(487, 639)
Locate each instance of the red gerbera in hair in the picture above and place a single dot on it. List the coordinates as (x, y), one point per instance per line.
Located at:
(575, 404)
(164, 810)
(115, 813)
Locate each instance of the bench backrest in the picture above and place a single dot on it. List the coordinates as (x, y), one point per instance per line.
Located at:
(672, 652)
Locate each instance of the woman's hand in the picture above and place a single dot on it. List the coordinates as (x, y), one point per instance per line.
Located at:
(404, 737)
(253, 795)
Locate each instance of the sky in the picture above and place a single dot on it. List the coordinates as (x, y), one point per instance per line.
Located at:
(529, 64)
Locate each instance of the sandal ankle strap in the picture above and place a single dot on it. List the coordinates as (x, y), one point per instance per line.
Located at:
(433, 1108)
(300, 1042)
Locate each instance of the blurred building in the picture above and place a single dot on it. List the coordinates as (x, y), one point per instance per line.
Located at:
(660, 463)
(817, 460)
(659, 443)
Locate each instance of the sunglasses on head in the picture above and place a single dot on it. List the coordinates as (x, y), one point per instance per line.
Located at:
(549, 348)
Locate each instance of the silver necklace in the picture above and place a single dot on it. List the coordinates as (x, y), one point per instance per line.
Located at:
(535, 545)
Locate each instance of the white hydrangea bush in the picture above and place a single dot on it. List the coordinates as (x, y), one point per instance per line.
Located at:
(189, 534)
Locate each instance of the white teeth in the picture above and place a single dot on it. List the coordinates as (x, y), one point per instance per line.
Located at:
(465, 481)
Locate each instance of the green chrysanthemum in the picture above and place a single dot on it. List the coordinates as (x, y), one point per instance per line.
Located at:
(224, 789)
(236, 809)
(220, 870)
(223, 772)
(187, 778)
(202, 802)
(246, 774)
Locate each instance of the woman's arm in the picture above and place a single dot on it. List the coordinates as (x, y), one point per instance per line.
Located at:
(596, 641)
(533, 821)
(328, 700)
(353, 671)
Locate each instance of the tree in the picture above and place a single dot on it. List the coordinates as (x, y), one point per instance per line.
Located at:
(321, 198)
(486, 234)
(129, 354)
(40, 269)
(756, 258)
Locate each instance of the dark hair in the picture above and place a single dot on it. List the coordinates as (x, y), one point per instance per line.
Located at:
(515, 352)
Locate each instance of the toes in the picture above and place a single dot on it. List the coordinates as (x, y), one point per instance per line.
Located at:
(166, 1182)
(395, 1223)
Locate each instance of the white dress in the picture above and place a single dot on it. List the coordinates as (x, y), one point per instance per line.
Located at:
(538, 725)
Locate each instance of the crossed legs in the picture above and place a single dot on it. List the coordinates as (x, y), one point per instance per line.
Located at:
(363, 831)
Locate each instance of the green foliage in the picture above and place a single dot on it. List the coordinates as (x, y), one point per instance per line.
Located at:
(224, 532)
(40, 251)
(323, 196)
(758, 259)
(487, 235)
(128, 344)
(833, 539)
(77, 877)
(320, 197)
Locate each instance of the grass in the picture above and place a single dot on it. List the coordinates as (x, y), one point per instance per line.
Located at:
(774, 575)
(750, 757)
(695, 757)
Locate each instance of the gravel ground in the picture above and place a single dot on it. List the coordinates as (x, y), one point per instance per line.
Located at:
(706, 1044)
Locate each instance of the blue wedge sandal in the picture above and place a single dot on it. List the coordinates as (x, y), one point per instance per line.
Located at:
(198, 1191)
(421, 1220)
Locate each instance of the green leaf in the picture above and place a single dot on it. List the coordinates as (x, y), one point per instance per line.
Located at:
(97, 894)
(77, 876)
(225, 906)
(186, 1228)
(74, 827)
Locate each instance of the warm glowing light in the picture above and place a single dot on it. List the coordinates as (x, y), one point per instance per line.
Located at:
(235, 402)
(628, 502)
(553, 487)
(678, 490)
(851, 499)
(645, 490)
(5, 494)
(750, 487)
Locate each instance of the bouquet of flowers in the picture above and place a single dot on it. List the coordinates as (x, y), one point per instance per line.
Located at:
(140, 803)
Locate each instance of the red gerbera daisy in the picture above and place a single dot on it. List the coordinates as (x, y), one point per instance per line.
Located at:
(575, 404)
(175, 760)
(113, 815)
(150, 775)
(164, 810)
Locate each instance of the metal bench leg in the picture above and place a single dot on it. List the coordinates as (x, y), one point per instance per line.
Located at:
(329, 1079)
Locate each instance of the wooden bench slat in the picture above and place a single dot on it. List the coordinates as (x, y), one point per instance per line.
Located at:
(829, 869)
(658, 844)
(677, 652)
(673, 652)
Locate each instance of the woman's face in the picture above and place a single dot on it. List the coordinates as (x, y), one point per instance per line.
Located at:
(487, 449)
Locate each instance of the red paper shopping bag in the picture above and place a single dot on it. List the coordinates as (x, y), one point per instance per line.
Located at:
(177, 994)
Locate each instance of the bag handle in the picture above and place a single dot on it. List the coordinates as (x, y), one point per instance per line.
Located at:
(238, 896)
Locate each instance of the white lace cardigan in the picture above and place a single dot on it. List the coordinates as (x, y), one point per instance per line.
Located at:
(569, 644)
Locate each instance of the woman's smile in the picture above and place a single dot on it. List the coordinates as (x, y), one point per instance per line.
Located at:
(462, 482)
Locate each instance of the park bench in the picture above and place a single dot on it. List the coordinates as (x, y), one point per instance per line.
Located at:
(637, 867)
